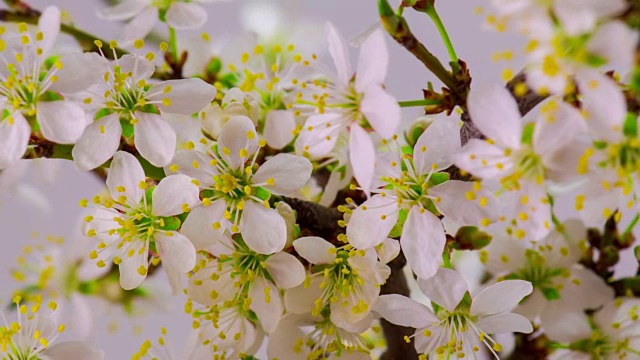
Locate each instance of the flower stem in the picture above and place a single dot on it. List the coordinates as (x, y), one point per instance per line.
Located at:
(423, 102)
(173, 43)
(433, 14)
(631, 225)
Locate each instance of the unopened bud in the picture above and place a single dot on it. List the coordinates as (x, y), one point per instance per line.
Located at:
(471, 238)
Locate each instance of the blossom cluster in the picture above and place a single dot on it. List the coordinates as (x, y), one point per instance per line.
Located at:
(282, 195)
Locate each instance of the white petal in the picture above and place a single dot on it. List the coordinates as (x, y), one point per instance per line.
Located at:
(264, 230)
(288, 172)
(388, 250)
(130, 278)
(173, 194)
(422, 242)
(285, 269)
(124, 10)
(238, 134)
(138, 65)
(300, 299)
(373, 61)
(155, 139)
(505, 323)
(278, 128)
(61, 121)
(322, 137)
(362, 156)
(604, 106)
(555, 127)
(494, 111)
(81, 320)
(586, 290)
(195, 164)
(79, 71)
(198, 226)
(454, 203)
(565, 324)
(315, 250)
(282, 343)
(381, 110)
(126, 171)
(436, 146)
(339, 53)
(14, 139)
(401, 310)
(371, 222)
(618, 53)
(186, 96)
(446, 288)
(575, 19)
(73, 350)
(483, 160)
(98, 143)
(266, 303)
(500, 297)
(186, 15)
(141, 25)
(176, 251)
(49, 24)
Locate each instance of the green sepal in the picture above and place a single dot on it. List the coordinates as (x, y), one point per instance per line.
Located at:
(50, 61)
(438, 178)
(214, 66)
(102, 113)
(594, 60)
(152, 172)
(550, 293)
(207, 194)
(630, 127)
(5, 114)
(150, 108)
(171, 223)
(396, 231)
(50, 96)
(152, 246)
(148, 194)
(88, 287)
(527, 133)
(262, 193)
(229, 80)
(600, 144)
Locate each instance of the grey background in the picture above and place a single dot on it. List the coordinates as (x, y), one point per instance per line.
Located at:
(405, 78)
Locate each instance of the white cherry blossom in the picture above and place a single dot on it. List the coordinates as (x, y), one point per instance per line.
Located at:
(460, 325)
(137, 222)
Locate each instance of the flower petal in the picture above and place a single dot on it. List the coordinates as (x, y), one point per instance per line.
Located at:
(130, 277)
(176, 251)
(264, 230)
(61, 121)
(49, 24)
(565, 324)
(388, 250)
(495, 113)
(403, 311)
(154, 138)
(287, 172)
(422, 242)
(99, 141)
(436, 146)
(339, 53)
(362, 156)
(279, 127)
(140, 26)
(446, 288)
(604, 105)
(504, 323)
(319, 134)
(73, 350)
(461, 203)
(195, 164)
(315, 250)
(371, 222)
(266, 303)
(381, 110)
(373, 61)
(238, 134)
(199, 225)
(483, 160)
(186, 15)
(125, 176)
(555, 127)
(285, 269)
(124, 10)
(79, 71)
(185, 96)
(14, 139)
(500, 297)
(174, 194)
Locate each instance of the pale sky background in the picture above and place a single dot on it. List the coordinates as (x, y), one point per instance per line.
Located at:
(406, 77)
